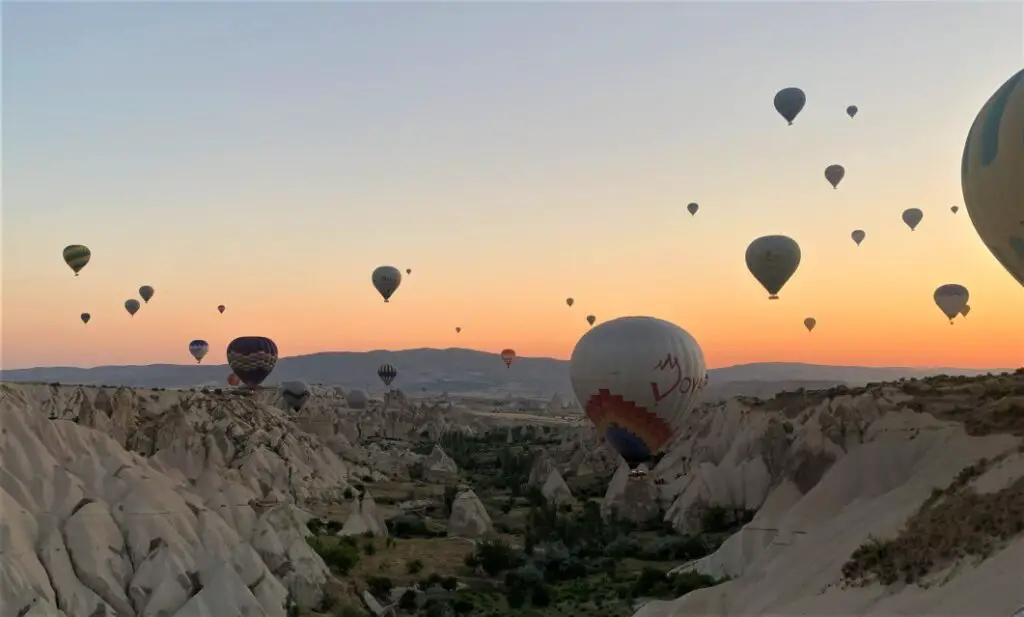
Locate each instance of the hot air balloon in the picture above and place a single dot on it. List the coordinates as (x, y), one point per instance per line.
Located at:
(965, 310)
(991, 176)
(789, 102)
(408, 270)
(386, 279)
(356, 399)
(912, 217)
(221, 308)
(692, 208)
(954, 209)
(457, 329)
(951, 299)
(85, 317)
(198, 348)
(146, 292)
(569, 301)
(591, 319)
(809, 323)
(252, 358)
(852, 110)
(387, 373)
(834, 174)
(76, 256)
(295, 394)
(858, 236)
(132, 306)
(637, 378)
(508, 356)
(773, 260)
(233, 380)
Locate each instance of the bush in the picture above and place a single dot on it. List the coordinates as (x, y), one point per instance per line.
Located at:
(380, 587)
(340, 557)
(541, 596)
(494, 557)
(414, 567)
(408, 600)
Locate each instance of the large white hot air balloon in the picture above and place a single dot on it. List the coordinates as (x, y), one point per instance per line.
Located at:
(912, 217)
(637, 378)
(386, 279)
(951, 299)
(992, 175)
(773, 260)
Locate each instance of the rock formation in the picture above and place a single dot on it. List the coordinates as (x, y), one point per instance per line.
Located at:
(469, 518)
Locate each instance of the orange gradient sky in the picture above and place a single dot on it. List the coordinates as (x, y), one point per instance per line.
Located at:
(511, 155)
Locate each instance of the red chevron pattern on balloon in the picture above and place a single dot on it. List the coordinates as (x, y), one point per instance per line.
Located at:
(605, 409)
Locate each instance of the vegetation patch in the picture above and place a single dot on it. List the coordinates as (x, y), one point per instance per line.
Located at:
(953, 524)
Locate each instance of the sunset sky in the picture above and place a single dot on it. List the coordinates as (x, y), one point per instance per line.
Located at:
(269, 156)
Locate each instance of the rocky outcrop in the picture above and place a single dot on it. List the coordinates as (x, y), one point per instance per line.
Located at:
(556, 491)
(90, 528)
(631, 499)
(438, 467)
(364, 518)
(469, 518)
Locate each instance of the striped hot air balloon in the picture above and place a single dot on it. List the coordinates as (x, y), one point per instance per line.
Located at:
(76, 256)
(252, 358)
(198, 348)
(387, 373)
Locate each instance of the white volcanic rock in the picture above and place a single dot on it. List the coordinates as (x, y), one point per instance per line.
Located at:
(364, 518)
(438, 467)
(89, 528)
(631, 499)
(469, 518)
(556, 491)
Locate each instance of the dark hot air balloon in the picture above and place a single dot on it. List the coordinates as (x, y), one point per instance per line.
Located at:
(233, 380)
(387, 373)
(252, 358)
(76, 256)
(146, 293)
(86, 317)
(221, 308)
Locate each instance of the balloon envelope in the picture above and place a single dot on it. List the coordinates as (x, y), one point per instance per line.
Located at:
(692, 208)
(295, 394)
(951, 299)
(85, 317)
(386, 280)
(591, 319)
(569, 301)
(637, 378)
(76, 256)
(773, 260)
(221, 308)
(507, 356)
(146, 292)
(198, 348)
(809, 323)
(132, 306)
(387, 373)
(252, 358)
(789, 102)
(852, 110)
(991, 176)
(457, 330)
(912, 217)
(954, 209)
(834, 174)
(858, 236)
(965, 310)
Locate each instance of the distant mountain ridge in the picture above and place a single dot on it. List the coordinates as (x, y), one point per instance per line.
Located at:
(466, 371)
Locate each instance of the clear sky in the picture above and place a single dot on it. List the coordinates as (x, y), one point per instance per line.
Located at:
(269, 156)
